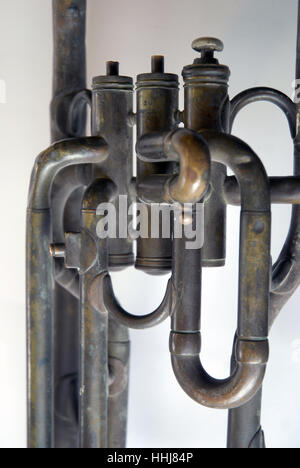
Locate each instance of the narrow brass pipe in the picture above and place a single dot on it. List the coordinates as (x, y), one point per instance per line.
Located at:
(93, 378)
(284, 190)
(251, 348)
(271, 95)
(244, 423)
(39, 270)
(190, 150)
(68, 119)
(221, 394)
(57, 157)
(106, 300)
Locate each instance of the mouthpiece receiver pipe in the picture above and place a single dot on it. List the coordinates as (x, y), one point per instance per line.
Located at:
(191, 152)
(39, 269)
(254, 275)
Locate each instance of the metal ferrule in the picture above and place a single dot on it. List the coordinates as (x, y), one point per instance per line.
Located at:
(112, 106)
(157, 104)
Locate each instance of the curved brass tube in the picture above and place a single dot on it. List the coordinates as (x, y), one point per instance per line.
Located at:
(57, 157)
(286, 270)
(285, 277)
(252, 344)
(190, 150)
(284, 190)
(244, 423)
(39, 268)
(107, 301)
(264, 94)
(244, 428)
(246, 379)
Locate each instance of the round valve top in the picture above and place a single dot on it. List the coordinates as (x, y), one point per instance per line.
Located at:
(207, 46)
(206, 68)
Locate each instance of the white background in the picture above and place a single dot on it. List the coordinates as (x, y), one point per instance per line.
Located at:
(259, 37)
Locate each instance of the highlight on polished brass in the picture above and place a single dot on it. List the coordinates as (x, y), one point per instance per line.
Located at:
(78, 339)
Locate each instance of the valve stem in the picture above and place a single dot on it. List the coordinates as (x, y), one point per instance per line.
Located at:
(157, 64)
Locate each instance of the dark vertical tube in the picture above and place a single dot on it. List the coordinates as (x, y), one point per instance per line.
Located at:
(244, 425)
(244, 429)
(118, 365)
(111, 111)
(157, 104)
(93, 381)
(69, 64)
(207, 108)
(39, 330)
(187, 284)
(93, 388)
(69, 78)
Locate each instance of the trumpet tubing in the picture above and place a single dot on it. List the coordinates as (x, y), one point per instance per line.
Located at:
(80, 192)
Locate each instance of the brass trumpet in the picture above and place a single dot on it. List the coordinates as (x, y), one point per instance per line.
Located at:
(78, 340)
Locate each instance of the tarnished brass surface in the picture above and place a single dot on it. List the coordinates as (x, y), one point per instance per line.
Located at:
(157, 104)
(40, 281)
(187, 148)
(78, 342)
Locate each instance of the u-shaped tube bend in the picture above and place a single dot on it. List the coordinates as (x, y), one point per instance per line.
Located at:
(60, 155)
(251, 358)
(190, 150)
(253, 304)
(262, 94)
(102, 289)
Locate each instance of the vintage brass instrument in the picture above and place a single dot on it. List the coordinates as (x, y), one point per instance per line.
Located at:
(78, 342)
